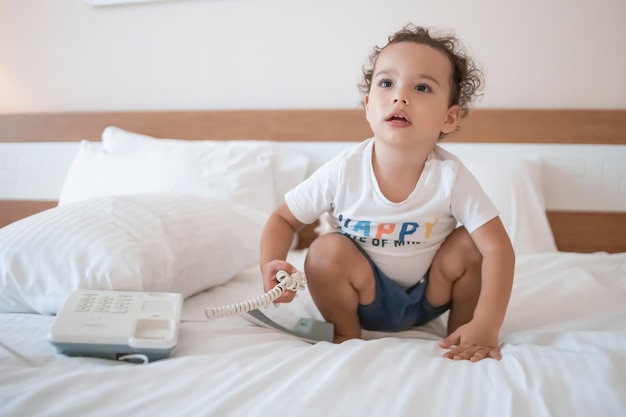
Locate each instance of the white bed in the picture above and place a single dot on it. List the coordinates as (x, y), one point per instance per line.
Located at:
(563, 339)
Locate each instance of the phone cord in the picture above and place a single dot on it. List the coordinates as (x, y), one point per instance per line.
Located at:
(294, 282)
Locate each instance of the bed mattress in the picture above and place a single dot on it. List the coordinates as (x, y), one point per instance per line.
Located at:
(563, 347)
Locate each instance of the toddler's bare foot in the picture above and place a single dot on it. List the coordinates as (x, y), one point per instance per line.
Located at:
(340, 339)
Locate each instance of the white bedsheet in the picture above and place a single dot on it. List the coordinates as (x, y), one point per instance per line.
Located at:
(563, 346)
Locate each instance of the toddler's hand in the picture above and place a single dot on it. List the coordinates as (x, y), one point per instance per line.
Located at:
(472, 342)
(269, 271)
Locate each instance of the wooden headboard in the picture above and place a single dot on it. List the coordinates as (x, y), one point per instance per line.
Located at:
(578, 231)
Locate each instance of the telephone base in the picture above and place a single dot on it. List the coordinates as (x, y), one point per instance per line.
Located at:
(114, 352)
(117, 324)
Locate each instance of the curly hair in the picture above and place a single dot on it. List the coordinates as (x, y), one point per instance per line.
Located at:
(466, 80)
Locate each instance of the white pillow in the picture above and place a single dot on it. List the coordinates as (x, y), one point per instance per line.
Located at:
(288, 167)
(151, 242)
(226, 170)
(515, 186)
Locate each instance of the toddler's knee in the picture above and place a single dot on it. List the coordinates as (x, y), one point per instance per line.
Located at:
(325, 252)
(458, 253)
(465, 243)
(466, 239)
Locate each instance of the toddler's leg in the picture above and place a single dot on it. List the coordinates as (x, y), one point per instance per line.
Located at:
(455, 275)
(339, 279)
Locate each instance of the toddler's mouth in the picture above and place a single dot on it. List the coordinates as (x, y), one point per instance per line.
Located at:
(398, 118)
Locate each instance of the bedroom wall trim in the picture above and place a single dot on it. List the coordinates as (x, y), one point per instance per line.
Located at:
(481, 125)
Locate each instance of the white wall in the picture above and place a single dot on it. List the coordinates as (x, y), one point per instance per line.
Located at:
(63, 55)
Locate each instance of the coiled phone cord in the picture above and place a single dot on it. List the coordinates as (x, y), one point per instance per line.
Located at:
(294, 282)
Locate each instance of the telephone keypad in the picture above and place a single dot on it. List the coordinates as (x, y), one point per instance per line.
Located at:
(101, 303)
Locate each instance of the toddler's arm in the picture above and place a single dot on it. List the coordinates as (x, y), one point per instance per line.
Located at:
(480, 335)
(276, 240)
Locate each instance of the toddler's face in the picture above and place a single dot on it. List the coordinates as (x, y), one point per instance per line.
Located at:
(409, 95)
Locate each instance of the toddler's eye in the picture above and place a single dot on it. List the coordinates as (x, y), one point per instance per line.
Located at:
(422, 88)
(385, 83)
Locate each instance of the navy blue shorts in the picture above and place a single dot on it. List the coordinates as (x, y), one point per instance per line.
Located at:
(394, 308)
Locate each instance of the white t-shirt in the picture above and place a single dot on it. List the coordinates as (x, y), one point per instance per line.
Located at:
(400, 238)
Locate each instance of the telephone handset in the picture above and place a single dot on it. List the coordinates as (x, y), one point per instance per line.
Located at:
(309, 330)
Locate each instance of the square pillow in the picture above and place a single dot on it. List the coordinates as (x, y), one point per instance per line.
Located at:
(231, 171)
(288, 167)
(164, 242)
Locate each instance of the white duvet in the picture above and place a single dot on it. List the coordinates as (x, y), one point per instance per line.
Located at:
(563, 346)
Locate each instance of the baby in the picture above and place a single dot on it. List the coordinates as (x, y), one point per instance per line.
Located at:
(398, 258)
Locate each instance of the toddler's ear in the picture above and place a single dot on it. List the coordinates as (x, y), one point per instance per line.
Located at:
(453, 119)
(366, 101)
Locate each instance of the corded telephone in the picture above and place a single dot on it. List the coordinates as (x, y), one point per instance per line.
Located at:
(143, 326)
